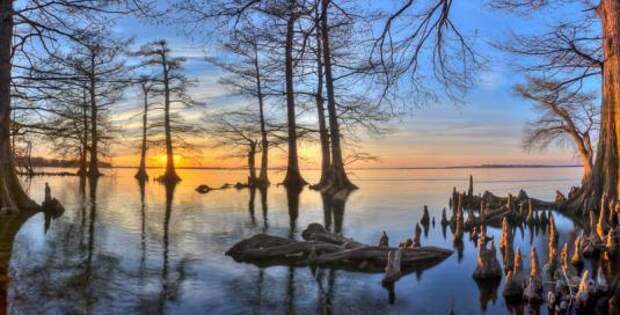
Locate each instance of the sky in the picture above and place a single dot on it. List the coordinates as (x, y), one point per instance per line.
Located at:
(486, 127)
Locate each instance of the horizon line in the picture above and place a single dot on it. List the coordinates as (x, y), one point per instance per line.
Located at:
(481, 166)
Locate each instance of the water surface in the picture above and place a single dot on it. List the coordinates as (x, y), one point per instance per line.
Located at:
(127, 250)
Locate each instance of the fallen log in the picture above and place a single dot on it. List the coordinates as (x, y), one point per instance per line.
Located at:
(325, 249)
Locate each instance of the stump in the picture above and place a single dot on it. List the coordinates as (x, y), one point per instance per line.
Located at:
(392, 268)
(487, 265)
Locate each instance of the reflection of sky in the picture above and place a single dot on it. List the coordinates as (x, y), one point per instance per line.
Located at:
(50, 270)
(486, 128)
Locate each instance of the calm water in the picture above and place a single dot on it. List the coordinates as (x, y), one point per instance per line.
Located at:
(119, 254)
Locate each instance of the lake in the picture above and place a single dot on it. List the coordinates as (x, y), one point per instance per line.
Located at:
(130, 252)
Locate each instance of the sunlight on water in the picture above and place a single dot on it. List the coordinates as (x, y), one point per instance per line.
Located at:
(117, 254)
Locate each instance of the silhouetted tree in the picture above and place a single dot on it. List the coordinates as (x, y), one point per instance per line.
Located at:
(240, 132)
(174, 87)
(249, 76)
(26, 28)
(146, 87)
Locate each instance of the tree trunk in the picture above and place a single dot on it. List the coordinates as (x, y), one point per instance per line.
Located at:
(320, 108)
(252, 181)
(93, 169)
(584, 152)
(84, 141)
(587, 166)
(141, 174)
(604, 176)
(170, 176)
(12, 195)
(338, 175)
(293, 179)
(263, 178)
(610, 16)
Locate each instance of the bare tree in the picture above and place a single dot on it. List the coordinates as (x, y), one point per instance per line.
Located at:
(239, 131)
(101, 63)
(293, 178)
(337, 175)
(573, 52)
(21, 24)
(250, 75)
(320, 105)
(174, 87)
(415, 30)
(433, 23)
(146, 87)
(282, 17)
(563, 114)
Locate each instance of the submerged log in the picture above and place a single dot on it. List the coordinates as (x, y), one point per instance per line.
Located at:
(316, 232)
(203, 189)
(331, 250)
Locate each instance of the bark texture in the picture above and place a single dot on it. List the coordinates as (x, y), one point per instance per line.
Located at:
(263, 177)
(320, 108)
(293, 177)
(93, 167)
(603, 179)
(338, 178)
(12, 196)
(170, 175)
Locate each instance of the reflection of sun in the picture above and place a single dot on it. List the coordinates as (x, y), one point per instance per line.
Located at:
(161, 159)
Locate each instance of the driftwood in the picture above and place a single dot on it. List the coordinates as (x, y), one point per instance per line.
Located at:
(203, 189)
(325, 249)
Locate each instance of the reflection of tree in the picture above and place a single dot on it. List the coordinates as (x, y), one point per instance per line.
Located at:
(166, 293)
(8, 230)
(170, 285)
(327, 211)
(487, 292)
(333, 208)
(251, 207)
(292, 196)
(71, 276)
(142, 184)
(93, 181)
(265, 207)
(326, 295)
(290, 291)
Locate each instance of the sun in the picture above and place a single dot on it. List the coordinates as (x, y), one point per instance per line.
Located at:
(162, 159)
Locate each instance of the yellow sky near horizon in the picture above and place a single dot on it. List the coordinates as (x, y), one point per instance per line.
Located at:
(388, 154)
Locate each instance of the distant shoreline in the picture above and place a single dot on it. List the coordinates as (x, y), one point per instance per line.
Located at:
(483, 166)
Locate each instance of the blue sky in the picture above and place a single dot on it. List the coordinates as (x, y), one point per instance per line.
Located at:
(487, 127)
